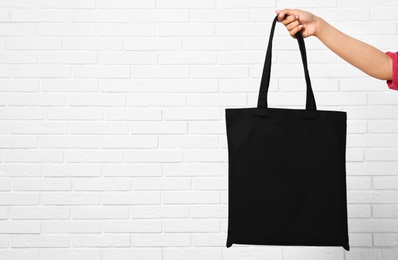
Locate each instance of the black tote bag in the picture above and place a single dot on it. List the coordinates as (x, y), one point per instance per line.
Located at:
(286, 171)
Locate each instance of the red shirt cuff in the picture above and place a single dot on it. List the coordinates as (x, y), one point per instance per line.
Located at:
(393, 84)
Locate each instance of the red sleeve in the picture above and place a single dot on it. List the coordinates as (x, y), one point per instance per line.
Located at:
(393, 84)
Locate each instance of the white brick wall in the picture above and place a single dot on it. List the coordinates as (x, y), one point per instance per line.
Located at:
(112, 129)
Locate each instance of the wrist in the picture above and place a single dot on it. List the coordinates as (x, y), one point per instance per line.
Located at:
(319, 26)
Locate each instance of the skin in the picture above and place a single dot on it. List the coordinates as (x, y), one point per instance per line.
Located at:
(363, 56)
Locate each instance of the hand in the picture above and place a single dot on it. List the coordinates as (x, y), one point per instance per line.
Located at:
(296, 20)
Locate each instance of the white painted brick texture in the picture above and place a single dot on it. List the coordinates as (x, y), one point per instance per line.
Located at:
(112, 125)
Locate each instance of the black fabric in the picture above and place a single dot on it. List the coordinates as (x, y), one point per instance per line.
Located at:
(286, 171)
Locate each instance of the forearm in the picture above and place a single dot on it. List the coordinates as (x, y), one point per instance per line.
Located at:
(361, 55)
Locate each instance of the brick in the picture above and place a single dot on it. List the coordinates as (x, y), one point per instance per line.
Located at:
(123, 142)
(93, 156)
(360, 240)
(17, 29)
(195, 155)
(101, 71)
(41, 184)
(125, 4)
(71, 170)
(152, 44)
(158, 128)
(69, 85)
(100, 16)
(26, 43)
(154, 183)
(266, 253)
(68, 198)
(191, 197)
(303, 253)
(19, 170)
(132, 226)
(100, 212)
(359, 211)
(383, 126)
(20, 227)
(100, 241)
(161, 212)
(191, 113)
(210, 183)
(69, 4)
(160, 16)
(385, 211)
(28, 254)
(372, 253)
(19, 4)
(153, 155)
(373, 196)
(36, 99)
(188, 85)
(40, 15)
(187, 57)
(244, 85)
(39, 212)
(361, 84)
(129, 85)
(128, 57)
(239, 29)
(133, 253)
(134, 198)
(18, 142)
(212, 43)
(217, 100)
(41, 71)
(70, 57)
(219, 15)
(114, 100)
(216, 211)
(385, 239)
(109, 29)
(136, 169)
(175, 4)
(373, 225)
(192, 253)
(385, 182)
(29, 241)
(160, 240)
(68, 142)
(17, 57)
(190, 141)
(66, 29)
(92, 43)
(372, 140)
(193, 169)
(157, 100)
(101, 184)
(71, 254)
(208, 239)
(383, 14)
(105, 128)
(19, 85)
(160, 71)
(381, 154)
(33, 156)
(186, 30)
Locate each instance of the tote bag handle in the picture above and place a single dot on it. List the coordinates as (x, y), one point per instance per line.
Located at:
(262, 96)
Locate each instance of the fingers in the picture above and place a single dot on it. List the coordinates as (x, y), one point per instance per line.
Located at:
(293, 31)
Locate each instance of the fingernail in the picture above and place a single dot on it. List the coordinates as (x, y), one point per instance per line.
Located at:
(300, 26)
(281, 14)
(297, 17)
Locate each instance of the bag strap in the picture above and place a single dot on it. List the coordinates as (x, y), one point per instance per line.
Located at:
(265, 79)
